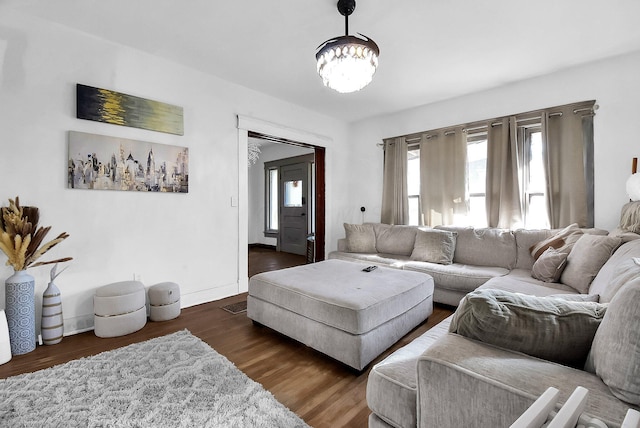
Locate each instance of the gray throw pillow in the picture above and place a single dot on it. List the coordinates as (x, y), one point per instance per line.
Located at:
(588, 255)
(550, 328)
(435, 246)
(615, 353)
(360, 238)
(549, 265)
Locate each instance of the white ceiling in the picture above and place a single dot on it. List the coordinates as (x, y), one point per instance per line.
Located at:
(430, 50)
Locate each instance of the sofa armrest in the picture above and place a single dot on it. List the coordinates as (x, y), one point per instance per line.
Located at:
(462, 382)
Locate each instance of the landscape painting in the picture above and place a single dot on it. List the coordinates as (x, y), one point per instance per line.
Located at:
(99, 162)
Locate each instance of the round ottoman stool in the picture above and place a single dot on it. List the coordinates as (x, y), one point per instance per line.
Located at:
(119, 309)
(164, 301)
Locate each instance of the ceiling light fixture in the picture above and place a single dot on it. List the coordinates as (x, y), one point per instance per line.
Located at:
(347, 63)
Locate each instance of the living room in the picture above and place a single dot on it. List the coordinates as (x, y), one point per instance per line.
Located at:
(199, 239)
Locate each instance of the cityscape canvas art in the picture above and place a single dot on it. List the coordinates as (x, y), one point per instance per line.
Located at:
(100, 162)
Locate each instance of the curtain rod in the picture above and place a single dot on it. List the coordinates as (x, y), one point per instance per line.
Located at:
(415, 137)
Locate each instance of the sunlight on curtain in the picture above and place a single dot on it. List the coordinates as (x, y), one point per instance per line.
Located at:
(443, 182)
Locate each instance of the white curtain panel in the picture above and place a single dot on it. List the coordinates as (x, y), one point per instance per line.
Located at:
(503, 202)
(568, 148)
(395, 202)
(443, 171)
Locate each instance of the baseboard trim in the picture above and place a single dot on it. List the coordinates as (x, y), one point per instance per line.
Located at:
(265, 246)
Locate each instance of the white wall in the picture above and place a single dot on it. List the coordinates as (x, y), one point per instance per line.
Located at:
(191, 239)
(613, 83)
(269, 152)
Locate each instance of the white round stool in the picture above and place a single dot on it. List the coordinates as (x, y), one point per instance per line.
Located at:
(164, 301)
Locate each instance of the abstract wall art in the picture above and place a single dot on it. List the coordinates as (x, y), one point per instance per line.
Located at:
(103, 105)
(100, 162)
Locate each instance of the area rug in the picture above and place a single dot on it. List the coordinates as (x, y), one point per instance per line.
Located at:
(236, 308)
(171, 381)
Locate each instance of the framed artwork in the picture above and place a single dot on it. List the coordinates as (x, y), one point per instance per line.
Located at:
(103, 105)
(99, 162)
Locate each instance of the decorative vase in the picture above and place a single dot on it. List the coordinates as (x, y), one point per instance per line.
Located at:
(5, 344)
(21, 312)
(52, 327)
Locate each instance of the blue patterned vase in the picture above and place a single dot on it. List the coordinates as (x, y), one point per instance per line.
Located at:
(21, 312)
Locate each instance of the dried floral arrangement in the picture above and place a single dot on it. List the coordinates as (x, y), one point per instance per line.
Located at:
(20, 237)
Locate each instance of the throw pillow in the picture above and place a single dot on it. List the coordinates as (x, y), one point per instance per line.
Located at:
(553, 329)
(435, 246)
(588, 255)
(360, 238)
(615, 353)
(549, 265)
(562, 241)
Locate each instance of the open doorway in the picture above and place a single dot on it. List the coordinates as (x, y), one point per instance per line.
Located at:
(257, 128)
(283, 201)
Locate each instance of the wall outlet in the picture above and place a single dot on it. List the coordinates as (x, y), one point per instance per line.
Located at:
(137, 277)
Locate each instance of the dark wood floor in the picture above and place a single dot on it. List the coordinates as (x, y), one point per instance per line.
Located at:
(324, 392)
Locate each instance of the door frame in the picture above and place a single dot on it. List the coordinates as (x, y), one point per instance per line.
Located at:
(248, 126)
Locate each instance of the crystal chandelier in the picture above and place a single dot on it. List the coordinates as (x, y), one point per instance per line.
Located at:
(347, 63)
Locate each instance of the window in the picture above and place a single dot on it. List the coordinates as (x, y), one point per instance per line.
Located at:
(532, 179)
(476, 181)
(413, 183)
(271, 200)
(534, 182)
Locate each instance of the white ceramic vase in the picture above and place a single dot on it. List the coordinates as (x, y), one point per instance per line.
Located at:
(5, 344)
(52, 326)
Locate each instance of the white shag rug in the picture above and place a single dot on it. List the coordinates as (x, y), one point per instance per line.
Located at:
(171, 381)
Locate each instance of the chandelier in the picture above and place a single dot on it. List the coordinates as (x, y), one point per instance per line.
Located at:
(347, 63)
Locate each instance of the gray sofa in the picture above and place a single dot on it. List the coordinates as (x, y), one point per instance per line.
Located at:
(480, 254)
(444, 379)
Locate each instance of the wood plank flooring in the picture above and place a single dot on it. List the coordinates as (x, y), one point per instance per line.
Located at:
(324, 392)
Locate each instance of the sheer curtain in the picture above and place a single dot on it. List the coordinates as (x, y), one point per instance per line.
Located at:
(395, 202)
(503, 201)
(443, 171)
(567, 140)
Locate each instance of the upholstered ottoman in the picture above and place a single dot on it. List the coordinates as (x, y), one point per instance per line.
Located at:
(164, 301)
(119, 309)
(336, 308)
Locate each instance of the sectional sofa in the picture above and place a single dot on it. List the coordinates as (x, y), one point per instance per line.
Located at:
(450, 378)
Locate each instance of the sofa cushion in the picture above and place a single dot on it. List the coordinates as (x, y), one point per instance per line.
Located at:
(484, 246)
(617, 271)
(549, 265)
(588, 255)
(525, 239)
(562, 241)
(550, 328)
(360, 238)
(435, 246)
(458, 277)
(465, 383)
(615, 353)
(394, 239)
(388, 260)
(520, 281)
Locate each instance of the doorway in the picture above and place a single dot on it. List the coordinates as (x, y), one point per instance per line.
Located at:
(248, 128)
(283, 196)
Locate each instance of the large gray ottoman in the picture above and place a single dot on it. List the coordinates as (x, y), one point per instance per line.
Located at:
(339, 310)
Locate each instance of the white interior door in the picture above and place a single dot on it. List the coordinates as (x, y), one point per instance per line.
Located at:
(294, 191)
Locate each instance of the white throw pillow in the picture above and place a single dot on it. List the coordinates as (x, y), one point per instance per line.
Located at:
(360, 238)
(435, 246)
